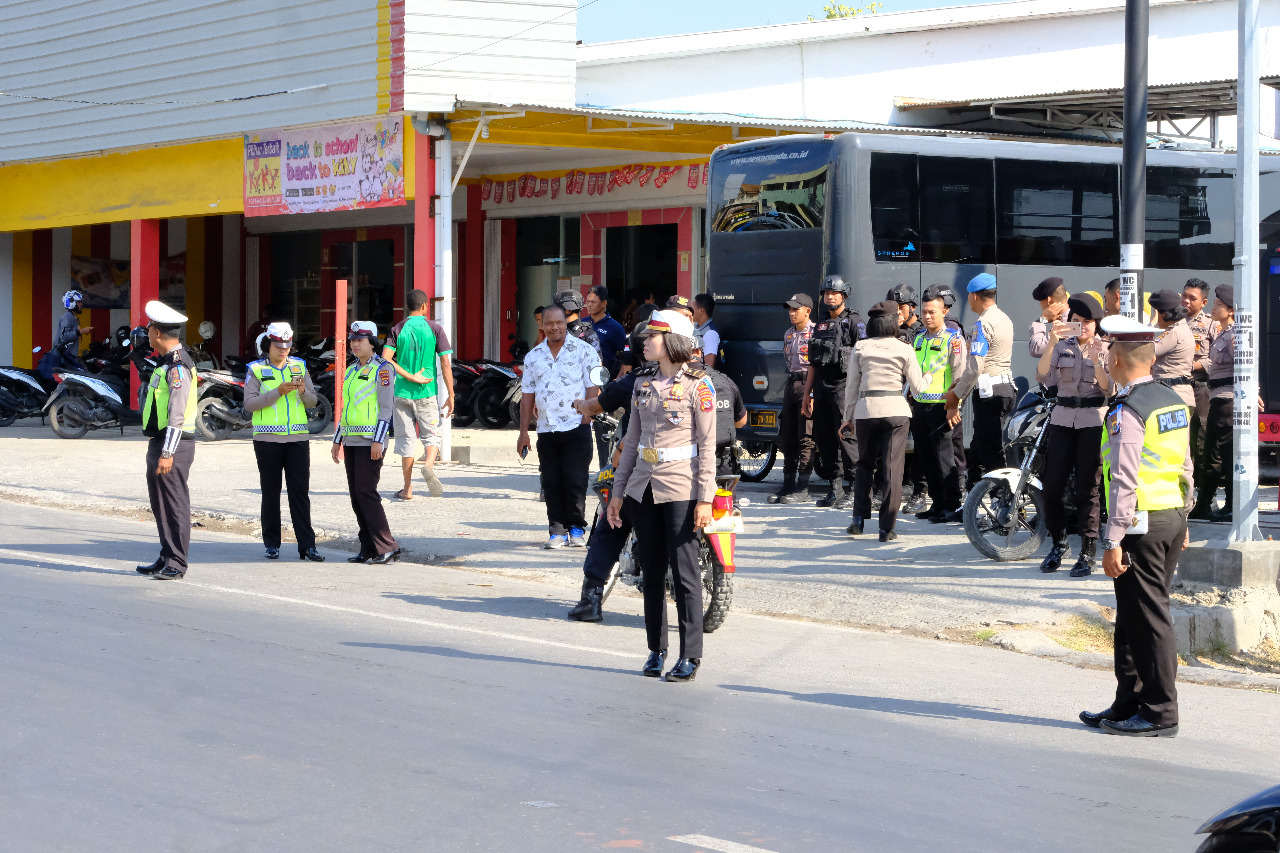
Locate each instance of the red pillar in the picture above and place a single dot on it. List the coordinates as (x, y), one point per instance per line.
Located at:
(144, 279)
(684, 252)
(472, 304)
(42, 295)
(424, 223)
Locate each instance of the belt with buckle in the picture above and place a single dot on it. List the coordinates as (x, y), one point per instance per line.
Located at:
(897, 393)
(797, 375)
(1221, 381)
(654, 455)
(1177, 380)
(1081, 402)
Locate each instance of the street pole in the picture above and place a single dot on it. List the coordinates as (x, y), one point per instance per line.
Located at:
(1244, 523)
(444, 271)
(1133, 171)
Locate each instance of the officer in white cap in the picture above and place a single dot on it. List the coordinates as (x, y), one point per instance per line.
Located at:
(169, 420)
(1147, 480)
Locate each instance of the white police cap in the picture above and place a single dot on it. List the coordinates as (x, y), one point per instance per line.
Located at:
(1127, 330)
(363, 329)
(281, 333)
(162, 315)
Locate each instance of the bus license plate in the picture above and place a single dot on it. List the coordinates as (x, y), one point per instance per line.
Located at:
(764, 419)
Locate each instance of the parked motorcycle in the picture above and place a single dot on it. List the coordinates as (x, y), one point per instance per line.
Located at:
(23, 393)
(492, 394)
(203, 358)
(220, 405)
(83, 401)
(1250, 826)
(465, 376)
(1004, 513)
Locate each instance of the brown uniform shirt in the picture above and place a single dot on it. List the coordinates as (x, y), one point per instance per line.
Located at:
(1038, 337)
(1075, 376)
(670, 412)
(1175, 357)
(881, 364)
(1204, 330)
(990, 349)
(795, 347)
(1222, 363)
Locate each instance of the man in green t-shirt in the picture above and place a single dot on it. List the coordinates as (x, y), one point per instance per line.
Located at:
(412, 348)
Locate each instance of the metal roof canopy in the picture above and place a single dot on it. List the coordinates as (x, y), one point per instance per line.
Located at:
(1179, 111)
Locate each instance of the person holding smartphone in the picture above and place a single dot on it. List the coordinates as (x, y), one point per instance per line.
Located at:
(1075, 362)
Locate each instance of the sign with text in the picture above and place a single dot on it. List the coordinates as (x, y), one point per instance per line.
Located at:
(335, 167)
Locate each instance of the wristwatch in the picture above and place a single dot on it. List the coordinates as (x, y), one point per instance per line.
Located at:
(166, 455)
(1109, 544)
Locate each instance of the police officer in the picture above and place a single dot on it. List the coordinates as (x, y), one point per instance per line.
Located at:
(948, 296)
(989, 371)
(67, 338)
(940, 353)
(1195, 298)
(570, 301)
(277, 390)
(1075, 365)
(667, 477)
(681, 305)
(823, 398)
(169, 421)
(1146, 475)
(873, 398)
(909, 326)
(368, 401)
(1218, 452)
(1052, 296)
(795, 429)
(1176, 348)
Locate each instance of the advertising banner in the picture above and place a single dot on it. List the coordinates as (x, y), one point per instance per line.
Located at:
(335, 167)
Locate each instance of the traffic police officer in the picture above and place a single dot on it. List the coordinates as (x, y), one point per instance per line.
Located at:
(823, 398)
(1052, 296)
(368, 400)
(277, 390)
(1146, 475)
(1195, 298)
(1218, 452)
(989, 370)
(795, 429)
(169, 421)
(948, 296)
(940, 353)
(1075, 365)
(1176, 348)
(667, 477)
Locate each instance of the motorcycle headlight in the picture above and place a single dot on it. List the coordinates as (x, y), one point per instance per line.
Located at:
(1017, 422)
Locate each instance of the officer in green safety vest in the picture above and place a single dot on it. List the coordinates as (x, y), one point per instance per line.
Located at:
(1147, 480)
(940, 352)
(169, 421)
(277, 392)
(368, 400)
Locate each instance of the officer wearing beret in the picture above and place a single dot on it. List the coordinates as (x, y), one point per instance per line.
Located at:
(1052, 296)
(169, 421)
(1176, 348)
(823, 397)
(940, 353)
(990, 372)
(667, 477)
(571, 302)
(795, 427)
(368, 402)
(1074, 364)
(1146, 475)
(1218, 452)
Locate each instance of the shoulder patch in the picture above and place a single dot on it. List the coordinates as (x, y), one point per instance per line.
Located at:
(175, 377)
(1169, 421)
(706, 395)
(956, 346)
(1113, 421)
(697, 371)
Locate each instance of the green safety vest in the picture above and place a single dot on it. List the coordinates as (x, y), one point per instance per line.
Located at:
(1166, 433)
(287, 416)
(360, 398)
(157, 401)
(934, 357)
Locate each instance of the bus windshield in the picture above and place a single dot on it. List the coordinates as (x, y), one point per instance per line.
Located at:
(771, 187)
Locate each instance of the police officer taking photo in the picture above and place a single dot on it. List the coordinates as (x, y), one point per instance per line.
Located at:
(830, 347)
(277, 391)
(667, 478)
(169, 421)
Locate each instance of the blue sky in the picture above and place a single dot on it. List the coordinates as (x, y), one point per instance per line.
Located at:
(612, 20)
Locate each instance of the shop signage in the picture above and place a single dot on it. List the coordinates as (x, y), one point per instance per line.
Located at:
(631, 181)
(334, 167)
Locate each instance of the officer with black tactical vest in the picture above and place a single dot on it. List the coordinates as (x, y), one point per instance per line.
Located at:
(829, 349)
(169, 421)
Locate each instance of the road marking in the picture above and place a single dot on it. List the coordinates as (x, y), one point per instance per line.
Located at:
(718, 844)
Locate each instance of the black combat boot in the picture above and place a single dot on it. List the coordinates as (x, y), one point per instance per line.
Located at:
(589, 608)
(788, 486)
(1088, 552)
(915, 503)
(1061, 548)
(833, 495)
(801, 493)
(855, 528)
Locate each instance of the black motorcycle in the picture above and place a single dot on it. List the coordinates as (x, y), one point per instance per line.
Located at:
(1250, 826)
(84, 401)
(492, 394)
(220, 405)
(23, 393)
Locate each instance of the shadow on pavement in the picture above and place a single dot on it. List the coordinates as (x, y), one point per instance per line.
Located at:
(68, 566)
(523, 606)
(446, 652)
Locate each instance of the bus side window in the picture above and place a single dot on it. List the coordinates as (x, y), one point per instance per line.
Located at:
(957, 210)
(895, 207)
(1057, 214)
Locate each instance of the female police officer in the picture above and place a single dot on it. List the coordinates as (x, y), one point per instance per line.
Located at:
(1076, 365)
(667, 477)
(277, 391)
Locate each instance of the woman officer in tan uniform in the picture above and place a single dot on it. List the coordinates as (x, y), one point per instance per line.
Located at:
(667, 477)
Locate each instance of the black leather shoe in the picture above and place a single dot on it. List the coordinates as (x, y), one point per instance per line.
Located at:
(1221, 515)
(383, 559)
(1201, 512)
(931, 514)
(653, 666)
(590, 607)
(1135, 726)
(829, 499)
(1088, 553)
(273, 553)
(311, 554)
(1094, 721)
(956, 516)
(151, 569)
(684, 670)
(887, 536)
(169, 573)
(855, 529)
(362, 557)
(1057, 552)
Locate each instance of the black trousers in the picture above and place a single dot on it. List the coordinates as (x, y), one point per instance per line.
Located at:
(1146, 650)
(171, 500)
(363, 474)
(726, 460)
(935, 451)
(876, 436)
(1200, 414)
(564, 460)
(989, 416)
(1064, 449)
(918, 476)
(605, 546)
(837, 452)
(795, 434)
(1219, 452)
(665, 537)
(292, 459)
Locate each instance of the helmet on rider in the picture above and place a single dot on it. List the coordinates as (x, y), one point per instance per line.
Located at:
(903, 294)
(138, 339)
(70, 298)
(834, 283)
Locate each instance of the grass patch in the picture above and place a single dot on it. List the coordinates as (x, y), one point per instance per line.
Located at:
(1084, 634)
(1265, 658)
(984, 634)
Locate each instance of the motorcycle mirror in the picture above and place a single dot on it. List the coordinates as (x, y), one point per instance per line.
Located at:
(599, 375)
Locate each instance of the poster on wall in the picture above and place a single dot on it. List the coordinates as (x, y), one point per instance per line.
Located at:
(334, 167)
(104, 282)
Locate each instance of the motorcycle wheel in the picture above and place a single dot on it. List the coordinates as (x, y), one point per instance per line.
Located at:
(208, 425)
(717, 588)
(1236, 842)
(319, 416)
(7, 417)
(464, 414)
(491, 407)
(756, 459)
(66, 416)
(987, 500)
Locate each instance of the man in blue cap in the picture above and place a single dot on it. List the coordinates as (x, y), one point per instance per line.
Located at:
(990, 371)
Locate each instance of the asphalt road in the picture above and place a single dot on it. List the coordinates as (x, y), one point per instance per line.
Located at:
(288, 706)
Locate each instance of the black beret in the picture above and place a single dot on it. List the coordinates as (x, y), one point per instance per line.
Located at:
(884, 309)
(1226, 294)
(1164, 300)
(1046, 288)
(1087, 306)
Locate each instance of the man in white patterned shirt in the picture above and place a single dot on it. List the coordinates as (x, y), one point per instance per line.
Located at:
(557, 372)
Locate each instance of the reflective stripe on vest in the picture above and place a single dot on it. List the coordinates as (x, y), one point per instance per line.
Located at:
(360, 399)
(1166, 433)
(287, 416)
(157, 401)
(934, 362)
